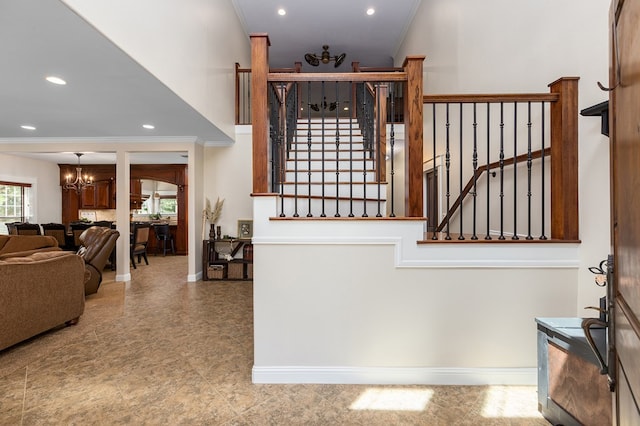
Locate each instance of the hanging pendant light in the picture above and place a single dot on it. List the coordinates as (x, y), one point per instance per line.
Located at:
(81, 181)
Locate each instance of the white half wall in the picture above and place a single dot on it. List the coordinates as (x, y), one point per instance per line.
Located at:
(358, 301)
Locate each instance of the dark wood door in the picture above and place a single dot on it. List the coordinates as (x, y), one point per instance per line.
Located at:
(625, 187)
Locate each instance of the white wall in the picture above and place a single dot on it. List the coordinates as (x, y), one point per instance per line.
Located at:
(501, 46)
(45, 179)
(358, 301)
(227, 175)
(191, 46)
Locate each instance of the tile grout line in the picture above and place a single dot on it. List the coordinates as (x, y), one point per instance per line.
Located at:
(24, 394)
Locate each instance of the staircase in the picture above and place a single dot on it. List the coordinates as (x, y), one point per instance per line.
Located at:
(329, 178)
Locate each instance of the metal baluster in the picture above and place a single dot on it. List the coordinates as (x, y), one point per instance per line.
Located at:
(378, 145)
(309, 149)
(366, 145)
(501, 237)
(337, 151)
(488, 236)
(542, 157)
(295, 158)
(281, 157)
(322, 148)
(447, 166)
(392, 141)
(435, 171)
(515, 174)
(351, 104)
(461, 235)
(475, 169)
(529, 164)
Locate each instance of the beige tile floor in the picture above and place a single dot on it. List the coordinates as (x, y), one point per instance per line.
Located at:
(159, 350)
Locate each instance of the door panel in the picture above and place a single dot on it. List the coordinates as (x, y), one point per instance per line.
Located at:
(625, 181)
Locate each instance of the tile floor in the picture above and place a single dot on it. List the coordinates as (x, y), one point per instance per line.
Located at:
(159, 350)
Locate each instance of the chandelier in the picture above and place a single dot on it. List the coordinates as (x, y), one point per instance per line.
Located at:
(325, 57)
(81, 181)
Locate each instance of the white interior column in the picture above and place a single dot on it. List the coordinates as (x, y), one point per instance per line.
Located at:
(123, 172)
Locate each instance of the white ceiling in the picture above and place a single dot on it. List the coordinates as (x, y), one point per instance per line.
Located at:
(109, 95)
(343, 25)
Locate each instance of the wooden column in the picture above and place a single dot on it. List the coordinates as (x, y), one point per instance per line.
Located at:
(260, 111)
(564, 160)
(413, 136)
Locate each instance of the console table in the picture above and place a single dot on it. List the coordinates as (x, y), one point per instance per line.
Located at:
(216, 267)
(571, 390)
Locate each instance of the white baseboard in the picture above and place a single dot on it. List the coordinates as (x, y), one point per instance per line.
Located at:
(124, 277)
(399, 376)
(191, 278)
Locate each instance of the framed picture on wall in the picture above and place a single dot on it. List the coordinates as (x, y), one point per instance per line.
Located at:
(245, 228)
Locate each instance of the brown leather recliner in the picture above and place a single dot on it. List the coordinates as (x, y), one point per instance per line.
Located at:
(97, 243)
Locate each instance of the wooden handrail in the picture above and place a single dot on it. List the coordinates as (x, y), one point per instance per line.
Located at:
(491, 98)
(485, 168)
(348, 77)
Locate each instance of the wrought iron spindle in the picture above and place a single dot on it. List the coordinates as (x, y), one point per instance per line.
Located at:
(392, 141)
(378, 145)
(337, 151)
(322, 149)
(474, 236)
(351, 103)
(529, 165)
(515, 174)
(366, 142)
(435, 171)
(543, 237)
(282, 122)
(309, 214)
(461, 235)
(488, 235)
(295, 157)
(447, 166)
(501, 237)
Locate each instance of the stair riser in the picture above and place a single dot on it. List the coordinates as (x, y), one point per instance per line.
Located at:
(344, 208)
(330, 165)
(329, 138)
(329, 155)
(357, 190)
(303, 177)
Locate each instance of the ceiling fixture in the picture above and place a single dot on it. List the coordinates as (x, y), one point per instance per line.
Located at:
(81, 181)
(55, 80)
(325, 58)
(371, 11)
(332, 106)
(149, 126)
(282, 12)
(28, 127)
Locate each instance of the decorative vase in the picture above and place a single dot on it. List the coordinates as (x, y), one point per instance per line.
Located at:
(219, 232)
(212, 232)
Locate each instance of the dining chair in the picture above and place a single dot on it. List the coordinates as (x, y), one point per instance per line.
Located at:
(77, 228)
(58, 231)
(163, 235)
(28, 229)
(139, 240)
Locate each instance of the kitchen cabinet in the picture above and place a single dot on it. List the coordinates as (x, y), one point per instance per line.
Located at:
(135, 199)
(98, 196)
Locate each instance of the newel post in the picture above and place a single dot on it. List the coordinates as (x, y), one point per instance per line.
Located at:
(413, 135)
(260, 111)
(564, 160)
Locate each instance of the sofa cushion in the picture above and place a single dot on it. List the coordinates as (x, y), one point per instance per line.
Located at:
(21, 243)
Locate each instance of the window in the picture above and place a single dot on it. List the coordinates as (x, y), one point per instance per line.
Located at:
(14, 203)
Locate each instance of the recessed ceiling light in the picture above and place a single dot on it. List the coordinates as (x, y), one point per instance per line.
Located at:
(55, 80)
(282, 12)
(371, 11)
(149, 126)
(28, 127)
